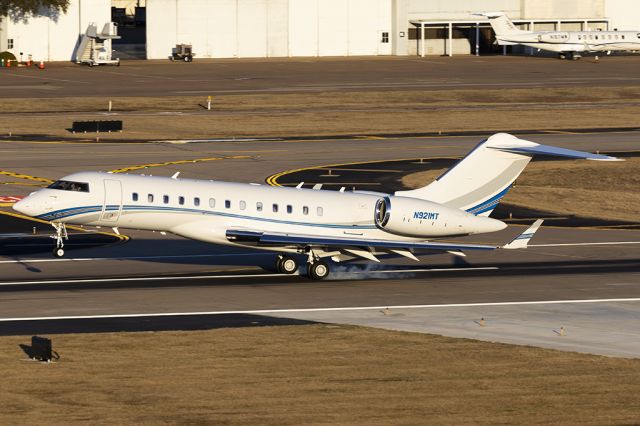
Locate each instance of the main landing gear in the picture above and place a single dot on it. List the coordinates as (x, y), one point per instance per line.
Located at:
(316, 268)
(574, 56)
(286, 264)
(61, 235)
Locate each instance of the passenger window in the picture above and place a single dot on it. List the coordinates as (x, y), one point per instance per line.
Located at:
(305, 210)
(134, 196)
(243, 205)
(319, 211)
(259, 206)
(622, 36)
(289, 208)
(165, 199)
(212, 202)
(150, 198)
(275, 208)
(227, 204)
(196, 201)
(181, 200)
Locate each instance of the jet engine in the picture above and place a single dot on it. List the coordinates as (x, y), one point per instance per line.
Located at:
(412, 217)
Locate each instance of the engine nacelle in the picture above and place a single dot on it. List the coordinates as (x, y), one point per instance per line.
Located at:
(557, 38)
(412, 217)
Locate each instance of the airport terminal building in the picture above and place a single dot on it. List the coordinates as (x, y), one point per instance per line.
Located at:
(301, 28)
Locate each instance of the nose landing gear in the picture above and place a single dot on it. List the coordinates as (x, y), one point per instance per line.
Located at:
(61, 235)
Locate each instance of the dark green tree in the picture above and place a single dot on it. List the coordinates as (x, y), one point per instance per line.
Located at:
(31, 6)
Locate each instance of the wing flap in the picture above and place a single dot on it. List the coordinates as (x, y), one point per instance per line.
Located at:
(271, 239)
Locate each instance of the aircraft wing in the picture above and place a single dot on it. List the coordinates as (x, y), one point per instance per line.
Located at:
(258, 238)
(366, 248)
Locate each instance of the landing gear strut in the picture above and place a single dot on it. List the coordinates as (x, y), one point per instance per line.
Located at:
(286, 264)
(61, 235)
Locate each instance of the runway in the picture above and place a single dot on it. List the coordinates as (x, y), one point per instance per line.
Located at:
(201, 277)
(313, 75)
(170, 276)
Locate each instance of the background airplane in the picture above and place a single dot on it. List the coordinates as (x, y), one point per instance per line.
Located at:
(302, 223)
(566, 43)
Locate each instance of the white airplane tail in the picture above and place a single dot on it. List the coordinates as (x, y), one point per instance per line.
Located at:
(501, 24)
(478, 182)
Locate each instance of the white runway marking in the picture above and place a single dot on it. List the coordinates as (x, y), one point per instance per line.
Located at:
(98, 259)
(339, 309)
(203, 277)
(610, 243)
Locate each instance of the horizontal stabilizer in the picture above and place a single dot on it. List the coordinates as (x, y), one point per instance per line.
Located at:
(489, 14)
(554, 151)
(522, 240)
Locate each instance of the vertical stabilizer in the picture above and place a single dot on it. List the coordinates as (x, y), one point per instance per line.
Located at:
(501, 24)
(478, 182)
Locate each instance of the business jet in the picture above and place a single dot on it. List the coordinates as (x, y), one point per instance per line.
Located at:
(320, 225)
(566, 43)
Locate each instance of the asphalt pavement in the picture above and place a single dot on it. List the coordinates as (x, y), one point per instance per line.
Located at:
(154, 277)
(314, 75)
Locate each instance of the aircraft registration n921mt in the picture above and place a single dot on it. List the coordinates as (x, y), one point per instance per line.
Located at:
(295, 222)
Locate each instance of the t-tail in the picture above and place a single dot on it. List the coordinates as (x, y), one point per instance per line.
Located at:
(478, 182)
(502, 25)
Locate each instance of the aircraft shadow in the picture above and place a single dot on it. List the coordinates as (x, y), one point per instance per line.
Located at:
(137, 324)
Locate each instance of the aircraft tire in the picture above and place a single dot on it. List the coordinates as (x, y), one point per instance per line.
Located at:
(58, 252)
(287, 265)
(318, 270)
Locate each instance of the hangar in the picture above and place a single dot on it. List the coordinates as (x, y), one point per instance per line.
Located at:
(301, 28)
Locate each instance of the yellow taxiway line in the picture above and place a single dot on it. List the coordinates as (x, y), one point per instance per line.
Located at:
(173, 163)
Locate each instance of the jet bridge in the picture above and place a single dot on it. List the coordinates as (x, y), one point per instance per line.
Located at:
(95, 47)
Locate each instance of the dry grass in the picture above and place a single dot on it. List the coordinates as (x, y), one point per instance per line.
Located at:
(314, 375)
(603, 190)
(322, 123)
(385, 99)
(333, 113)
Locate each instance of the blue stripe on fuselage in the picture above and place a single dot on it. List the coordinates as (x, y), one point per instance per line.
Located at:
(490, 204)
(75, 211)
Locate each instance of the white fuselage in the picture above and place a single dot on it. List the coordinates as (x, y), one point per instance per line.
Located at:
(575, 41)
(205, 210)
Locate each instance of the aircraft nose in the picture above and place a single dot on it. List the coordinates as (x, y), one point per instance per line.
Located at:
(23, 206)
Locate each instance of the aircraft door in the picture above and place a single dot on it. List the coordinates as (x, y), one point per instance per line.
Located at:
(112, 201)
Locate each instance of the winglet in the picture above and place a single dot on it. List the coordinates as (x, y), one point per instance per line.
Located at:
(522, 240)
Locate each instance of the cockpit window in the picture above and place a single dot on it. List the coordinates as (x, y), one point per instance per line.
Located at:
(67, 185)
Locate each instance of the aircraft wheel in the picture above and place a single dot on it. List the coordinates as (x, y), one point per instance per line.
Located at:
(318, 270)
(58, 252)
(287, 265)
